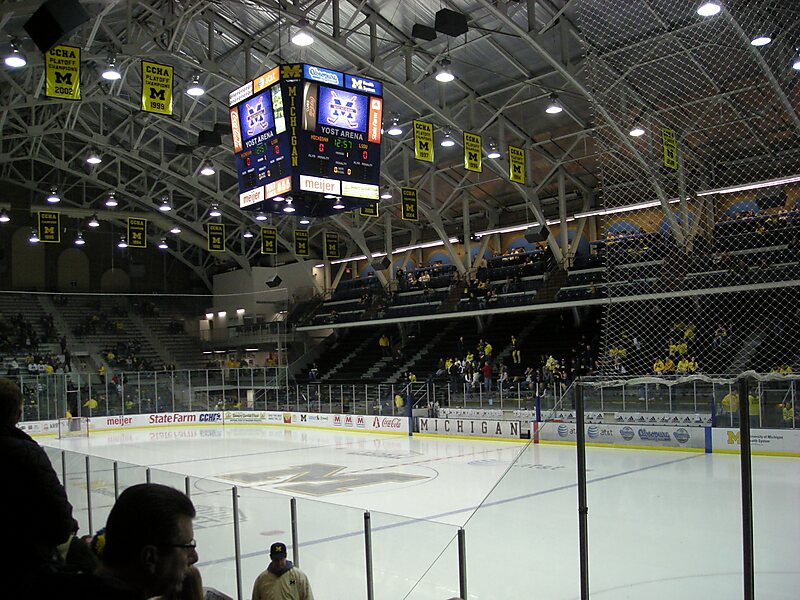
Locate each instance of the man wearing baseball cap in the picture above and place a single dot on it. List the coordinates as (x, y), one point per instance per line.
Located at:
(282, 580)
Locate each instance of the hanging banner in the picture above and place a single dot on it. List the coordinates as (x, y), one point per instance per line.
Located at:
(49, 226)
(216, 237)
(670, 142)
(516, 164)
(332, 244)
(156, 88)
(137, 233)
(370, 210)
(269, 240)
(423, 141)
(472, 152)
(301, 242)
(62, 67)
(410, 210)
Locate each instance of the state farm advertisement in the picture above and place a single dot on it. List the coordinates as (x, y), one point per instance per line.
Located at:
(176, 419)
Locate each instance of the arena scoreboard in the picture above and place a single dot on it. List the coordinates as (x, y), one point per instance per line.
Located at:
(308, 134)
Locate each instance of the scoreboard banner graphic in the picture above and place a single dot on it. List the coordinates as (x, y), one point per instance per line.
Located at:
(269, 240)
(370, 210)
(332, 245)
(410, 208)
(49, 226)
(137, 233)
(157, 88)
(301, 242)
(216, 237)
(670, 142)
(63, 73)
(423, 141)
(472, 152)
(516, 164)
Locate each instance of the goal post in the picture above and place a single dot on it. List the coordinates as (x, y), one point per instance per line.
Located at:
(73, 427)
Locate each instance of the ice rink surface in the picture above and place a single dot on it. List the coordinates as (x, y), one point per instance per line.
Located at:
(661, 524)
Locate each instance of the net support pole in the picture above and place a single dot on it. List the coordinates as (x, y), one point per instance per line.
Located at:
(147, 475)
(295, 541)
(747, 489)
(583, 508)
(64, 472)
(368, 555)
(116, 480)
(187, 487)
(89, 492)
(462, 563)
(237, 541)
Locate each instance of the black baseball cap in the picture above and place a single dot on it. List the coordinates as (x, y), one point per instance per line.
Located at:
(277, 550)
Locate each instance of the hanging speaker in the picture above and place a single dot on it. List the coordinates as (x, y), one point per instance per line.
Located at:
(536, 234)
(53, 21)
(423, 32)
(451, 23)
(273, 281)
(380, 264)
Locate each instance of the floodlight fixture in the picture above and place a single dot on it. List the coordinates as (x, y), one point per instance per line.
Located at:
(447, 140)
(53, 197)
(162, 245)
(304, 221)
(494, 151)
(207, 169)
(386, 194)
(122, 242)
(93, 158)
(444, 74)
(214, 211)
(394, 128)
(338, 204)
(195, 90)
(247, 233)
(554, 107)
(302, 37)
(93, 222)
(79, 241)
(709, 8)
(636, 130)
(288, 208)
(15, 59)
(111, 200)
(34, 236)
(261, 217)
(111, 73)
(762, 39)
(4, 218)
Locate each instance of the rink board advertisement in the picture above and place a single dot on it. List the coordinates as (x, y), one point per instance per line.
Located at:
(470, 428)
(633, 436)
(170, 419)
(371, 423)
(782, 442)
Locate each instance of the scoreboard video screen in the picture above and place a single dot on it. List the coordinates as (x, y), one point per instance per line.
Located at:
(307, 132)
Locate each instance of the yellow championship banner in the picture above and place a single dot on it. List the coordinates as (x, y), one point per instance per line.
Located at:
(332, 244)
(62, 67)
(516, 164)
(370, 210)
(216, 237)
(301, 242)
(410, 206)
(269, 240)
(137, 232)
(472, 152)
(670, 142)
(156, 88)
(423, 141)
(49, 226)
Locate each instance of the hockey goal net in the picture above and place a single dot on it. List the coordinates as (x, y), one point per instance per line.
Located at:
(73, 427)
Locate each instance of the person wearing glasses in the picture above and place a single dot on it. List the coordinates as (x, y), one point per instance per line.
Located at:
(282, 580)
(149, 547)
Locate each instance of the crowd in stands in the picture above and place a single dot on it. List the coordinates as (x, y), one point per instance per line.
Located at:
(99, 321)
(125, 356)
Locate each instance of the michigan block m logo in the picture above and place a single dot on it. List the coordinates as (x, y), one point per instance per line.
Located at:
(63, 78)
(157, 94)
(319, 479)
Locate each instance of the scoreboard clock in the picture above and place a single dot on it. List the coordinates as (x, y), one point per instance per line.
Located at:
(307, 134)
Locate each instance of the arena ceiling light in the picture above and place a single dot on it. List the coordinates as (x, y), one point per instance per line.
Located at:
(289, 208)
(207, 169)
(93, 158)
(554, 107)
(122, 242)
(302, 37)
(386, 194)
(79, 241)
(261, 217)
(175, 230)
(709, 9)
(34, 236)
(4, 218)
(15, 59)
(195, 90)
(165, 205)
(247, 233)
(111, 200)
(796, 63)
(444, 74)
(338, 204)
(751, 186)
(394, 128)
(111, 73)
(53, 197)
(93, 222)
(304, 221)
(494, 151)
(636, 130)
(447, 140)
(162, 245)
(214, 211)
(761, 39)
